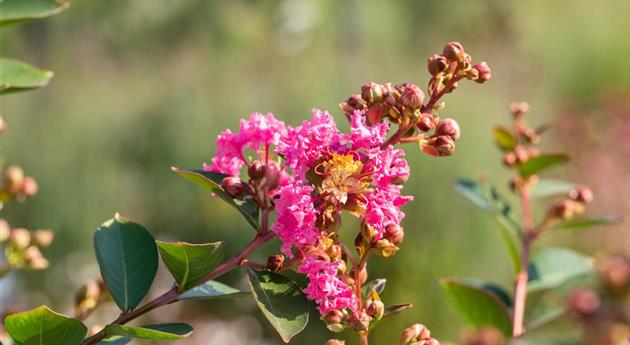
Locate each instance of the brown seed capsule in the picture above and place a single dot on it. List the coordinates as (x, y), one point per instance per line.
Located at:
(484, 72)
(275, 263)
(256, 170)
(233, 186)
(581, 194)
(440, 146)
(411, 96)
(436, 64)
(448, 127)
(584, 302)
(426, 122)
(371, 92)
(454, 51)
(614, 273)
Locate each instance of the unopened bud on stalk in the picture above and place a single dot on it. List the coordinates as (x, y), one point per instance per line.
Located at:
(436, 64)
(448, 127)
(272, 175)
(509, 160)
(335, 342)
(581, 194)
(14, 177)
(5, 230)
(412, 97)
(454, 51)
(440, 146)
(584, 302)
(563, 209)
(356, 102)
(614, 274)
(414, 333)
(334, 251)
(426, 122)
(29, 187)
(519, 108)
(275, 263)
(371, 92)
(43, 237)
(233, 186)
(484, 72)
(34, 258)
(335, 321)
(20, 238)
(385, 248)
(256, 170)
(394, 233)
(375, 308)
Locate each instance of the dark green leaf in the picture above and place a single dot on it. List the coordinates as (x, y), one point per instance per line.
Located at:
(473, 191)
(189, 263)
(212, 182)
(377, 284)
(553, 267)
(167, 331)
(281, 301)
(128, 258)
(548, 187)
(537, 164)
(42, 326)
(16, 11)
(478, 306)
(19, 76)
(504, 138)
(583, 223)
(211, 290)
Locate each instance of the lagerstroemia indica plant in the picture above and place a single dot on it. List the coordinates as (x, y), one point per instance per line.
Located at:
(303, 178)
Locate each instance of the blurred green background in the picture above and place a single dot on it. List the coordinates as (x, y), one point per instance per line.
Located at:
(142, 85)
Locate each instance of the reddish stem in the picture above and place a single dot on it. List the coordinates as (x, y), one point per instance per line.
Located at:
(520, 290)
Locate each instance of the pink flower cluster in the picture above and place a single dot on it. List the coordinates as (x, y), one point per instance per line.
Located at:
(325, 288)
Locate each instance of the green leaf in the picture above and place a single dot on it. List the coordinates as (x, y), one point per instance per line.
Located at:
(19, 76)
(128, 258)
(212, 290)
(547, 317)
(390, 311)
(583, 223)
(281, 301)
(189, 263)
(167, 331)
(42, 326)
(212, 182)
(115, 340)
(477, 305)
(548, 187)
(554, 267)
(473, 191)
(16, 11)
(537, 164)
(377, 285)
(504, 138)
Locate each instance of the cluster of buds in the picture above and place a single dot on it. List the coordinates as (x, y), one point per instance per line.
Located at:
(263, 177)
(417, 334)
(571, 205)
(386, 246)
(16, 185)
(88, 297)
(22, 247)
(483, 336)
(405, 106)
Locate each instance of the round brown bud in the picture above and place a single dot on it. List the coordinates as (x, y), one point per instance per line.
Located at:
(20, 238)
(436, 64)
(394, 233)
(440, 146)
(414, 333)
(426, 122)
(275, 263)
(256, 170)
(335, 342)
(233, 186)
(43, 237)
(385, 248)
(273, 174)
(509, 160)
(448, 127)
(371, 92)
(29, 187)
(484, 72)
(412, 97)
(454, 51)
(5, 230)
(334, 251)
(375, 308)
(584, 302)
(581, 194)
(563, 209)
(356, 102)
(614, 273)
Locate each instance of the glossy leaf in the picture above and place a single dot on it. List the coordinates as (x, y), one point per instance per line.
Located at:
(167, 331)
(504, 138)
(16, 11)
(212, 182)
(478, 306)
(473, 191)
(554, 267)
(549, 187)
(537, 164)
(583, 223)
(19, 76)
(281, 301)
(189, 263)
(128, 259)
(212, 290)
(115, 340)
(377, 285)
(42, 326)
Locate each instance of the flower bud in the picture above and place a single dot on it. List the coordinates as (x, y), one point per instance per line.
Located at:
(385, 248)
(375, 308)
(426, 122)
(394, 233)
(335, 342)
(448, 127)
(5, 230)
(29, 187)
(334, 251)
(440, 146)
(483, 336)
(584, 302)
(20, 238)
(412, 96)
(562, 209)
(484, 72)
(34, 258)
(14, 176)
(356, 102)
(43, 237)
(341, 267)
(335, 321)
(86, 299)
(519, 108)
(414, 333)
(275, 262)
(614, 274)
(509, 160)
(371, 92)
(436, 64)
(256, 170)
(454, 51)
(581, 194)
(273, 175)
(233, 186)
